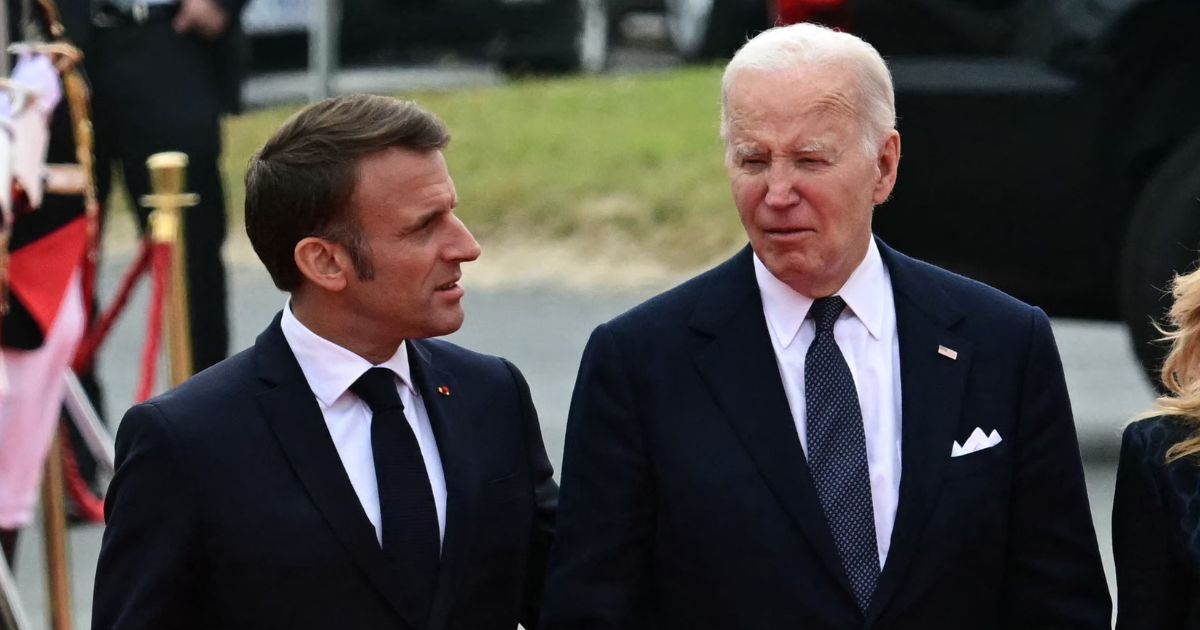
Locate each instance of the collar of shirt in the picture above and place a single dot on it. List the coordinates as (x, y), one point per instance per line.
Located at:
(865, 292)
(331, 369)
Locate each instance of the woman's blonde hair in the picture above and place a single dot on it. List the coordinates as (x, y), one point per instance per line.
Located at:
(1180, 373)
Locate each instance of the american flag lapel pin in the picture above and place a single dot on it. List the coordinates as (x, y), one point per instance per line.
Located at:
(948, 353)
(443, 390)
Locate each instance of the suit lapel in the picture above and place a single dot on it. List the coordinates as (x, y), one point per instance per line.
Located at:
(444, 401)
(738, 364)
(291, 411)
(932, 387)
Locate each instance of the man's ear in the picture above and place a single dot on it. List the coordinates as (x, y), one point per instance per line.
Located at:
(888, 165)
(323, 263)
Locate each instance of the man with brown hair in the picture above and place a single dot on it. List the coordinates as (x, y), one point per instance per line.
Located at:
(346, 471)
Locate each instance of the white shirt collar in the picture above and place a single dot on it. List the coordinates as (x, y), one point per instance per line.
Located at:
(329, 368)
(866, 292)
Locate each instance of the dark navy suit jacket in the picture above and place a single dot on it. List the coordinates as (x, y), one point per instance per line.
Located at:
(1156, 529)
(687, 502)
(231, 508)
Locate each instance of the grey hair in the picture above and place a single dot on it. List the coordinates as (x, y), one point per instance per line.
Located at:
(805, 44)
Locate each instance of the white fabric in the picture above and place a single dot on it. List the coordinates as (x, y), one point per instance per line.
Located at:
(127, 5)
(30, 115)
(866, 334)
(330, 371)
(977, 441)
(29, 409)
(7, 147)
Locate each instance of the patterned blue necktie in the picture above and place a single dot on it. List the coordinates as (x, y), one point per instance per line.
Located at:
(837, 452)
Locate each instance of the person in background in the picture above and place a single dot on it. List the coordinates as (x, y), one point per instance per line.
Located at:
(1156, 506)
(163, 72)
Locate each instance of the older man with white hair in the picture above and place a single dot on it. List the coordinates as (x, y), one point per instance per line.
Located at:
(822, 433)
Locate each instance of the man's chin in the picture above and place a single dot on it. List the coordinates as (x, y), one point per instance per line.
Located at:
(804, 275)
(790, 266)
(447, 323)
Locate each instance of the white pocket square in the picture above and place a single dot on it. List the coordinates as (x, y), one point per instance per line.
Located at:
(977, 442)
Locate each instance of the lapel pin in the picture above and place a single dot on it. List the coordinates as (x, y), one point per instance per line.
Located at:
(948, 353)
(443, 390)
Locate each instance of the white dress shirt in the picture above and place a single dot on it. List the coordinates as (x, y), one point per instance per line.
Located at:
(330, 371)
(866, 334)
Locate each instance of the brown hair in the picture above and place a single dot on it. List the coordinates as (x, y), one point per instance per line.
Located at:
(1180, 373)
(300, 182)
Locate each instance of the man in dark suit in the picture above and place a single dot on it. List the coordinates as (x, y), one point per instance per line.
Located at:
(821, 433)
(163, 73)
(346, 471)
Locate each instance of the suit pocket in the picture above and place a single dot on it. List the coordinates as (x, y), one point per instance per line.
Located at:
(506, 488)
(989, 460)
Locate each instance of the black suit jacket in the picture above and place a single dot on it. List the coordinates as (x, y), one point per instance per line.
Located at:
(687, 501)
(228, 52)
(1156, 529)
(231, 508)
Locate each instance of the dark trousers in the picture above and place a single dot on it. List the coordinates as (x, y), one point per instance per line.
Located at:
(154, 90)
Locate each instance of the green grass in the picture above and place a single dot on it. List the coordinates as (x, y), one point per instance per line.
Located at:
(631, 158)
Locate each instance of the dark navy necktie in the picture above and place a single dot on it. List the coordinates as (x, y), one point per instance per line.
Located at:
(837, 452)
(407, 512)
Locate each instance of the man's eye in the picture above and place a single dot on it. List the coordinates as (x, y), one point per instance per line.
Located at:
(421, 227)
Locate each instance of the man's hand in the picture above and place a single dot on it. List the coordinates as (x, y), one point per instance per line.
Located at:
(205, 18)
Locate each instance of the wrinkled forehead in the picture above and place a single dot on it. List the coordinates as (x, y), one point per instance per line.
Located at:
(804, 105)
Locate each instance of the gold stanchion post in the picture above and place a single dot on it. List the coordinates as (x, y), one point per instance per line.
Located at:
(54, 528)
(168, 176)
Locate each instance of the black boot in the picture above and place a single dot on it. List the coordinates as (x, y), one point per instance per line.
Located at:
(8, 542)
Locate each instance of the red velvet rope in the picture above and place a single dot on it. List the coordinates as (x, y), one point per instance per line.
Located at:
(99, 332)
(160, 269)
(88, 506)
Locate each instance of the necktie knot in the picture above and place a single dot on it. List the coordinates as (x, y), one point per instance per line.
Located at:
(825, 312)
(377, 388)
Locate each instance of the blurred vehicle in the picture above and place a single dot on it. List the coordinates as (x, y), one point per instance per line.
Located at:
(1054, 152)
(1051, 147)
(520, 35)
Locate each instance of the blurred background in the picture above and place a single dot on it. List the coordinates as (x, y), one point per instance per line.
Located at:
(1050, 148)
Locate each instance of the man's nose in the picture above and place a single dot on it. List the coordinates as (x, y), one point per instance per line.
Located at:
(781, 189)
(463, 246)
